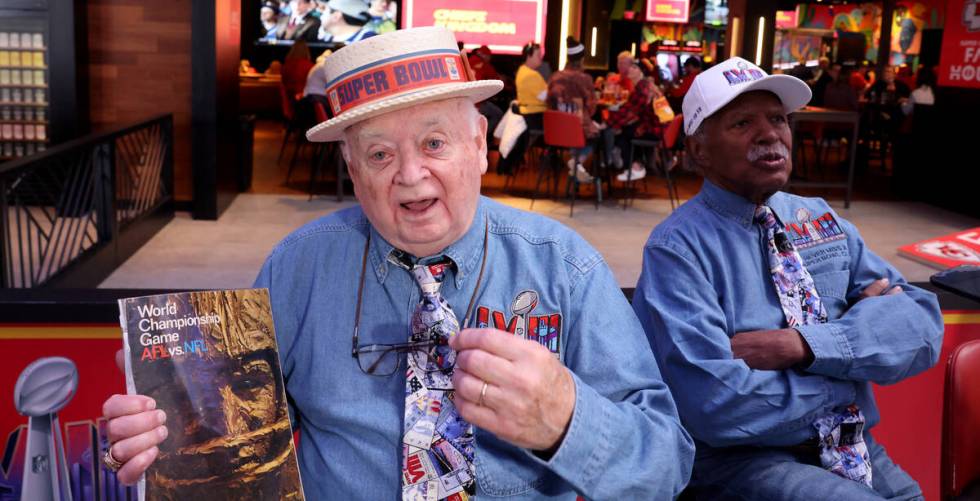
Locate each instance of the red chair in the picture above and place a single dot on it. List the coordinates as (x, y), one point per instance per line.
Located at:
(961, 425)
(324, 151)
(563, 131)
(289, 116)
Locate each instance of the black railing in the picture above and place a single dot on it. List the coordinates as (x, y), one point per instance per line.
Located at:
(63, 205)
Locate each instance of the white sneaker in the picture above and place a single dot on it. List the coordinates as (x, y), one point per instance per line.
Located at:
(632, 175)
(582, 175)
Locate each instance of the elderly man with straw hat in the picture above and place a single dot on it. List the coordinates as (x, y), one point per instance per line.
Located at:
(436, 344)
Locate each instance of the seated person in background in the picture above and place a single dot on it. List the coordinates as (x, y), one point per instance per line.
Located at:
(315, 91)
(570, 90)
(345, 21)
(692, 68)
(925, 83)
(862, 78)
(633, 119)
(479, 61)
(532, 91)
(839, 95)
(300, 24)
(624, 61)
(769, 315)
(821, 79)
(568, 402)
(888, 91)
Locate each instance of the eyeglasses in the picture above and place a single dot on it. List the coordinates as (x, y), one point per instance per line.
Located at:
(385, 359)
(433, 356)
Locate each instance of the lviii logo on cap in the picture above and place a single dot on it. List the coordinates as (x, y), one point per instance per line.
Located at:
(742, 73)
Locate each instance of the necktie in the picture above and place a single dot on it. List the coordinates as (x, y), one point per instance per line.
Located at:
(437, 448)
(842, 447)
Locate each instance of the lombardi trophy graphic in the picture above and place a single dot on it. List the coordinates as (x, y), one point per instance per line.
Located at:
(44, 388)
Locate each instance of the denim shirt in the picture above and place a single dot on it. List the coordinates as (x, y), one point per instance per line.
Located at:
(624, 439)
(705, 278)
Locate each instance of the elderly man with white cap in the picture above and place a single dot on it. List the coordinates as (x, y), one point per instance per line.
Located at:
(436, 344)
(770, 317)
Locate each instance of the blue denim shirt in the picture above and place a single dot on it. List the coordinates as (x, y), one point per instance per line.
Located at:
(705, 278)
(624, 440)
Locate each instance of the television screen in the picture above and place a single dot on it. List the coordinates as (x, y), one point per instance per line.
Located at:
(319, 22)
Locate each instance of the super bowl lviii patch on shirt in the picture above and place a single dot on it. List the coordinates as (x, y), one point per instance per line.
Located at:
(517, 319)
(809, 231)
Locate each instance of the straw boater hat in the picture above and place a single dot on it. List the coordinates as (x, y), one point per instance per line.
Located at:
(394, 71)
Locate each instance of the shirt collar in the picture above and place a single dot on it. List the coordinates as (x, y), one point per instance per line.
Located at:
(728, 204)
(465, 253)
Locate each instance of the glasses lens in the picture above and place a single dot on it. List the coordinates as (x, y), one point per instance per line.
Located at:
(377, 360)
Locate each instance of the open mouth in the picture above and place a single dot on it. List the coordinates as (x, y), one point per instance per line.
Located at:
(419, 206)
(771, 161)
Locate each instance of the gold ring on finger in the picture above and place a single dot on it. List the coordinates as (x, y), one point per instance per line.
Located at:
(111, 462)
(483, 395)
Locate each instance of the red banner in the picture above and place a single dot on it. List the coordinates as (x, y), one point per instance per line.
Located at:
(503, 25)
(668, 11)
(959, 64)
(946, 251)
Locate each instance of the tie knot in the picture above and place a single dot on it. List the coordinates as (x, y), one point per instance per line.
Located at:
(429, 276)
(764, 216)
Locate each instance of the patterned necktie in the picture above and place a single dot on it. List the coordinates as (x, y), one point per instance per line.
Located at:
(842, 447)
(437, 447)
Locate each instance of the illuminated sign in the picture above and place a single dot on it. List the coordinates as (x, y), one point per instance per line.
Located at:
(786, 19)
(503, 25)
(668, 11)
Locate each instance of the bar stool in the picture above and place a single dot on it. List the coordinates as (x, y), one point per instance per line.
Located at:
(562, 132)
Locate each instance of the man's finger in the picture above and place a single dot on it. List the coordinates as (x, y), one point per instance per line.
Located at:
(470, 388)
(875, 288)
(130, 472)
(129, 448)
(129, 426)
(895, 290)
(121, 360)
(500, 343)
(478, 415)
(124, 405)
(485, 366)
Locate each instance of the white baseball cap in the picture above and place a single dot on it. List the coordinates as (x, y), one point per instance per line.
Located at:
(717, 86)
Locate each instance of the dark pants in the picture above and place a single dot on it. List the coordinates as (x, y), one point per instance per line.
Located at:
(507, 166)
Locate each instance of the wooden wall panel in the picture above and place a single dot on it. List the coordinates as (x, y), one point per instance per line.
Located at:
(140, 65)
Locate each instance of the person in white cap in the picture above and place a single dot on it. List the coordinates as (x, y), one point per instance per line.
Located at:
(436, 344)
(770, 317)
(345, 21)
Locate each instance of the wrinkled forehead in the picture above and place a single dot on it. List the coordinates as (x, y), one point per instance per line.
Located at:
(447, 114)
(757, 101)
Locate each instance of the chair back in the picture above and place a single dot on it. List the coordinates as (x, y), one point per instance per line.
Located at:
(563, 130)
(960, 465)
(321, 112)
(673, 131)
(286, 103)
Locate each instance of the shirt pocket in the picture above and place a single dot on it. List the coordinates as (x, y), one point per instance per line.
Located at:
(503, 470)
(832, 288)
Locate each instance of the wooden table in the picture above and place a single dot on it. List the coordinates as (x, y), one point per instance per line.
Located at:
(825, 115)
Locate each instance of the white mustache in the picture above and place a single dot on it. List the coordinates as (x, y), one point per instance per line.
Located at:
(759, 151)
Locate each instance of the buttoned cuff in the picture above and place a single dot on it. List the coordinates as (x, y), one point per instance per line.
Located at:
(586, 447)
(832, 353)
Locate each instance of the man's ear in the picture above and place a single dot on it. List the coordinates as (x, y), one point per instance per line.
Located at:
(481, 142)
(697, 154)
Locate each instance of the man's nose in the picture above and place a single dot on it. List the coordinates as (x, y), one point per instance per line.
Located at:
(412, 169)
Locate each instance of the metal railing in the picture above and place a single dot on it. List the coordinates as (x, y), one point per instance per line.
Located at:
(66, 203)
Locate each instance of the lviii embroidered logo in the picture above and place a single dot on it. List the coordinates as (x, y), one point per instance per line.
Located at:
(543, 328)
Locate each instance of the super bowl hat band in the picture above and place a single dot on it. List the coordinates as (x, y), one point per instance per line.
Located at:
(719, 85)
(393, 71)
